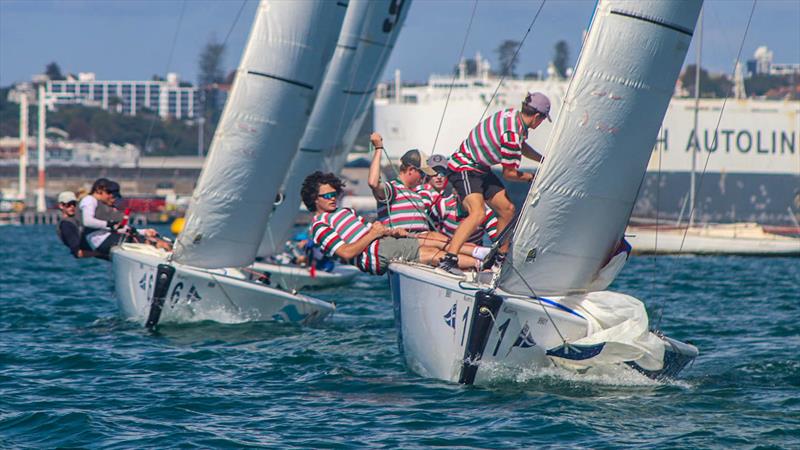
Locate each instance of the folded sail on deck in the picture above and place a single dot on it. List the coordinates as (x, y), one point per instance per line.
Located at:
(276, 85)
(576, 212)
(368, 35)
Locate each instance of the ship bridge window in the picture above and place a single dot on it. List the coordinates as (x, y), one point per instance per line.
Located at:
(409, 99)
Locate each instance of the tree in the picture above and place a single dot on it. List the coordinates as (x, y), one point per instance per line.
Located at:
(717, 86)
(53, 72)
(505, 55)
(211, 63)
(561, 58)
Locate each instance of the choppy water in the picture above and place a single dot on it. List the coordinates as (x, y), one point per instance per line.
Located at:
(72, 374)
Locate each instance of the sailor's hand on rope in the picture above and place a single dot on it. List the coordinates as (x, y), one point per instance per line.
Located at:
(398, 232)
(379, 229)
(377, 140)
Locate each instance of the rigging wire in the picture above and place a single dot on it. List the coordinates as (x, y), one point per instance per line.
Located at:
(166, 70)
(453, 82)
(716, 129)
(510, 63)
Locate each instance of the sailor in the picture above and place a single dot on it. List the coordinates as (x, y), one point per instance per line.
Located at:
(498, 139)
(69, 225)
(370, 246)
(446, 212)
(399, 204)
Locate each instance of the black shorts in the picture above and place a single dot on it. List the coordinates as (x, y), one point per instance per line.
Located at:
(112, 240)
(472, 182)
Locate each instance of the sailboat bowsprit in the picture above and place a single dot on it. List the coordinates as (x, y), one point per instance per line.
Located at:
(277, 82)
(548, 305)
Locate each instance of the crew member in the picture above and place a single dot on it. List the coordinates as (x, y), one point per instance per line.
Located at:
(69, 225)
(499, 139)
(399, 205)
(370, 246)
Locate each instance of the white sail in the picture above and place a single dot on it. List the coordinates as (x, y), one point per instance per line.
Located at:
(276, 84)
(576, 212)
(368, 35)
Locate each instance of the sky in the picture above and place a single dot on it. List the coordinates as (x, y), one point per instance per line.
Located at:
(132, 40)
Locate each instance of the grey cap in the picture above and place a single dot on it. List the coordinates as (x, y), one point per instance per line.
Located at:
(539, 102)
(438, 163)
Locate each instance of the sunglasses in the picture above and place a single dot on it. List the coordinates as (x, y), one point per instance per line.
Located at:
(72, 203)
(329, 195)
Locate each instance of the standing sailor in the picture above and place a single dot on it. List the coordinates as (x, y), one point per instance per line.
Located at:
(499, 139)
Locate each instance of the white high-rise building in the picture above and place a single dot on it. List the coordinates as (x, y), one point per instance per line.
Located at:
(169, 98)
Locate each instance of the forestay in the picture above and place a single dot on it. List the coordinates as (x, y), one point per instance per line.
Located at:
(368, 35)
(276, 84)
(576, 212)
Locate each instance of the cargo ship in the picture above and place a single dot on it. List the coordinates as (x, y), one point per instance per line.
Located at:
(747, 167)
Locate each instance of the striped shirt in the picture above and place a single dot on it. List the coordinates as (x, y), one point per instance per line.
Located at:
(406, 208)
(496, 140)
(332, 230)
(445, 214)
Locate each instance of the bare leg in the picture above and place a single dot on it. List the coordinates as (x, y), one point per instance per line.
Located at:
(504, 209)
(440, 241)
(476, 209)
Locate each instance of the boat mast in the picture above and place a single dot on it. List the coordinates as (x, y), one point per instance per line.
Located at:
(23, 145)
(40, 145)
(692, 185)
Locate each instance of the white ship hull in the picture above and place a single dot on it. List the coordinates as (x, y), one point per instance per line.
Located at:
(195, 295)
(736, 239)
(294, 278)
(440, 335)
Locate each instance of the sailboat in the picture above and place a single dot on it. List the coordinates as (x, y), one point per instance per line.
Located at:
(368, 35)
(746, 239)
(548, 305)
(278, 78)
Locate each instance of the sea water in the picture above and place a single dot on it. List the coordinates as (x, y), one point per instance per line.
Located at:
(72, 374)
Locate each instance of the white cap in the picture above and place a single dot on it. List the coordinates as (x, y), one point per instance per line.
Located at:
(66, 197)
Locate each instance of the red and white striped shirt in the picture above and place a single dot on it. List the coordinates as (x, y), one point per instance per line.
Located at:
(332, 230)
(496, 140)
(445, 214)
(406, 208)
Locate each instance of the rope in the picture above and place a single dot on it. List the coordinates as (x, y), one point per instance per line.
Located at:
(716, 129)
(166, 70)
(539, 301)
(452, 83)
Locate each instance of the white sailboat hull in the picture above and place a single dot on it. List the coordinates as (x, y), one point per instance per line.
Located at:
(438, 331)
(292, 277)
(195, 295)
(712, 241)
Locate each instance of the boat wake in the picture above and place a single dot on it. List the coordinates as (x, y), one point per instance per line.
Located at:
(618, 376)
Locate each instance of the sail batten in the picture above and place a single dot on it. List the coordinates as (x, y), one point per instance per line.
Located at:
(368, 35)
(278, 78)
(576, 212)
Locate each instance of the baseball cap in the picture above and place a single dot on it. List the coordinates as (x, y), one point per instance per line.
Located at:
(416, 158)
(113, 188)
(539, 102)
(66, 197)
(438, 163)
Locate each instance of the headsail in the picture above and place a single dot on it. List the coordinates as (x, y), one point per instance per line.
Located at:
(368, 35)
(576, 212)
(276, 84)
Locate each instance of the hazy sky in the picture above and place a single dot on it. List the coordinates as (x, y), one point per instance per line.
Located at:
(127, 40)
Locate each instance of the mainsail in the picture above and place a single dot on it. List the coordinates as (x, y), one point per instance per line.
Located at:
(576, 212)
(368, 35)
(276, 85)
